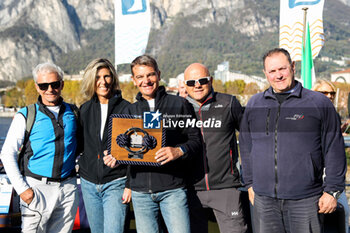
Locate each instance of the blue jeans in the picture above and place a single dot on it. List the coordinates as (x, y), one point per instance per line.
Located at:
(171, 203)
(272, 215)
(344, 201)
(104, 208)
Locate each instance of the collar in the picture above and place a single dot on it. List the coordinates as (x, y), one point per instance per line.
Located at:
(210, 97)
(160, 92)
(40, 101)
(294, 92)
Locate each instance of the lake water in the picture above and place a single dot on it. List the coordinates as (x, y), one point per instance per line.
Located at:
(4, 127)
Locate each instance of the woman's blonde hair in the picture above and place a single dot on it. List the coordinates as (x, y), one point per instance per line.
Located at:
(89, 79)
(321, 82)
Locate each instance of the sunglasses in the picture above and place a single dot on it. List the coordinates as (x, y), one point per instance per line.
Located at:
(45, 86)
(201, 81)
(328, 92)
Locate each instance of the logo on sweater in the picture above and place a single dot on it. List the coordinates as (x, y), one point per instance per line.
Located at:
(234, 213)
(151, 120)
(296, 117)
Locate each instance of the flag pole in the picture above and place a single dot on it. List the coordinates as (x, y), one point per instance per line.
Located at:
(304, 30)
(306, 61)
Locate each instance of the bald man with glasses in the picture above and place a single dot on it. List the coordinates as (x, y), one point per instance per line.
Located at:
(218, 189)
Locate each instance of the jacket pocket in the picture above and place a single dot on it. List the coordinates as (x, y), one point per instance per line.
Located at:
(23, 203)
(317, 165)
(260, 122)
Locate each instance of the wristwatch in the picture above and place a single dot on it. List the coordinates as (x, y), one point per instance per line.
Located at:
(335, 194)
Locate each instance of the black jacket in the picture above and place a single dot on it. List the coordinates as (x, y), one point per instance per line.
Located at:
(91, 166)
(220, 156)
(171, 175)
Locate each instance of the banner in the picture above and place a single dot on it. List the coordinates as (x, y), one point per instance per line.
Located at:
(132, 27)
(5, 194)
(292, 26)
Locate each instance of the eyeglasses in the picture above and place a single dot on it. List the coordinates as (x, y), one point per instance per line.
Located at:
(201, 81)
(327, 92)
(45, 86)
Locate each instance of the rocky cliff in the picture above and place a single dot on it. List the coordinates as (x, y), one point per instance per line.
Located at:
(346, 2)
(33, 31)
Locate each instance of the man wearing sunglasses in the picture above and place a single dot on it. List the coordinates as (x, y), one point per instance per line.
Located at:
(218, 189)
(44, 177)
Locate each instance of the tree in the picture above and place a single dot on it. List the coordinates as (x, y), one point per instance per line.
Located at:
(218, 86)
(30, 93)
(129, 91)
(251, 89)
(71, 92)
(235, 87)
(14, 98)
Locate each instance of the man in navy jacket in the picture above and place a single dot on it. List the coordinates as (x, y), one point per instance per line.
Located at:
(289, 138)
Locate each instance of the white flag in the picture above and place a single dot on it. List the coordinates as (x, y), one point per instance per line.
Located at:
(292, 26)
(132, 27)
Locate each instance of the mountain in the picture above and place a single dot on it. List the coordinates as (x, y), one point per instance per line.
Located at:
(346, 2)
(34, 31)
(72, 32)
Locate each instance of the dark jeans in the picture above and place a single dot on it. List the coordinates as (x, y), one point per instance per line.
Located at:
(273, 215)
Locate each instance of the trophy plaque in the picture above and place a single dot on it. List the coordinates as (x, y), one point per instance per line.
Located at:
(130, 143)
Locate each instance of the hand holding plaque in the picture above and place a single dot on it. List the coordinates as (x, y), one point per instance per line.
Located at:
(133, 139)
(131, 144)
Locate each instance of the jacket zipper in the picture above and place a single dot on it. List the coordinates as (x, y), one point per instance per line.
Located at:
(61, 144)
(204, 151)
(276, 126)
(231, 161)
(99, 169)
(267, 121)
(100, 163)
(149, 175)
(60, 147)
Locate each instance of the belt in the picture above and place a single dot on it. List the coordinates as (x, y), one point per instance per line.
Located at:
(57, 180)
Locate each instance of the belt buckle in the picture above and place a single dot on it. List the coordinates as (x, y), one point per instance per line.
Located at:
(44, 180)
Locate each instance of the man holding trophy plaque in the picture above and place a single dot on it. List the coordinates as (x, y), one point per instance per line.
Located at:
(161, 185)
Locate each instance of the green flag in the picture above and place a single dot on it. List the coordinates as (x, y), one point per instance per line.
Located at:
(306, 60)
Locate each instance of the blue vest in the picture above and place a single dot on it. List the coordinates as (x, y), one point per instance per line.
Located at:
(50, 151)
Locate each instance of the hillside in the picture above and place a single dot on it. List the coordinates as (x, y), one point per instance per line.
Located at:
(183, 31)
(178, 43)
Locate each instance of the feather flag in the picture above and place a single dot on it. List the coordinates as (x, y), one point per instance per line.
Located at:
(292, 26)
(132, 27)
(307, 63)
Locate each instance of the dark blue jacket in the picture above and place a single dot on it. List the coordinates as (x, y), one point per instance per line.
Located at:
(285, 147)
